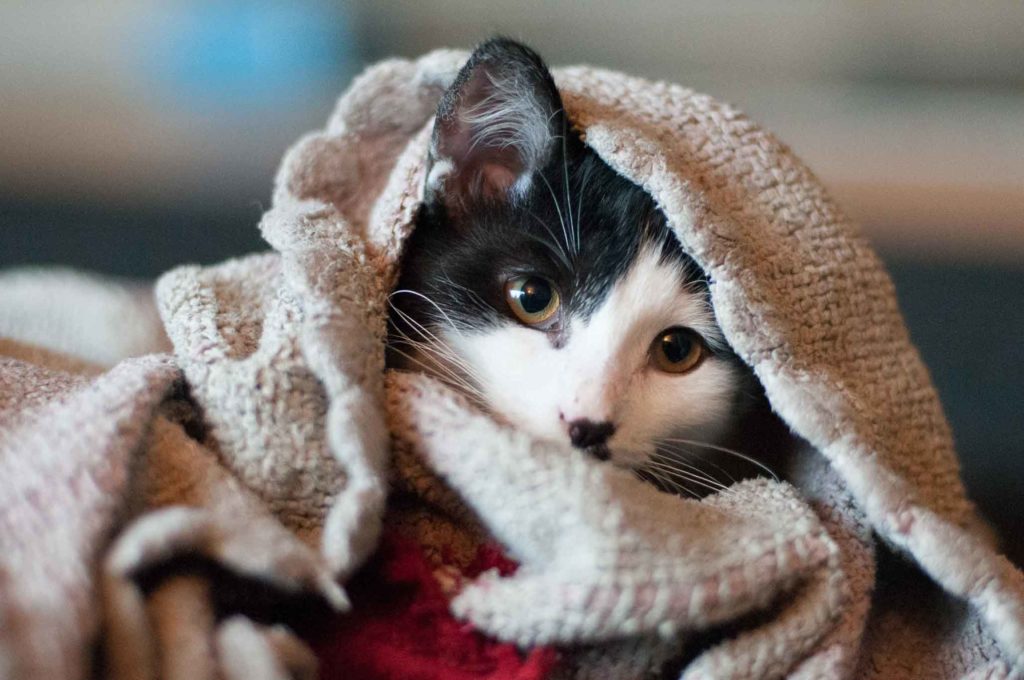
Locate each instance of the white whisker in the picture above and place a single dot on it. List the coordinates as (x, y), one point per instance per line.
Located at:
(469, 391)
(673, 454)
(573, 227)
(435, 343)
(684, 468)
(443, 358)
(554, 245)
(440, 360)
(427, 299)
(703, 480)
(722, 449)
(579, 203)
(558, 209)
(670, 484)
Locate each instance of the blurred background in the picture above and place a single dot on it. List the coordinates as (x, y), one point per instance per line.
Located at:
(140, 134)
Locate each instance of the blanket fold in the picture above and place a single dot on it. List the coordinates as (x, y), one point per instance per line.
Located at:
(147, 504)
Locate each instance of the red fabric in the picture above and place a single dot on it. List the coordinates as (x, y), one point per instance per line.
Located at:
(400, 627)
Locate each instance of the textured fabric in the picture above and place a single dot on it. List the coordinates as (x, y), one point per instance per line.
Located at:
(83, 315)
(275, 484)
(66, 456)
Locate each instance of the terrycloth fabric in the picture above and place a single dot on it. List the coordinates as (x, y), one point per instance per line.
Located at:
(277, 482)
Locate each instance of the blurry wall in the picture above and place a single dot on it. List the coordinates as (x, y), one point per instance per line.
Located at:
(165, 101)
(140, 134)
(912, 112)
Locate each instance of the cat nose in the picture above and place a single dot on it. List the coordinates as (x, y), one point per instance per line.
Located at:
(585, 434)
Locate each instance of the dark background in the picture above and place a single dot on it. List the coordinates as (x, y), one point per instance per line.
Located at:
(141, 135)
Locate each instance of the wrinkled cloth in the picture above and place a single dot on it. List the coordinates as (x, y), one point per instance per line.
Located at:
(145, 505)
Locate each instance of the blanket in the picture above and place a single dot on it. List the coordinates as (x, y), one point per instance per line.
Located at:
(187, 481)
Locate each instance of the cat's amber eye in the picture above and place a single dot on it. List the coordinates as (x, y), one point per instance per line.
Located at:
(677, 350)
(533, 299)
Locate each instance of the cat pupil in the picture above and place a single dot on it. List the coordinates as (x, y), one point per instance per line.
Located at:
(535, 296)
(676, 346)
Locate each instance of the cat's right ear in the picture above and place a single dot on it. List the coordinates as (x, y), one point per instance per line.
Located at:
(496, 127)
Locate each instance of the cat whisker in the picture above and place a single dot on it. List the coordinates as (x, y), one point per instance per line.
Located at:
(468, 391)
(558, 209)
(441, 360)
(444, 360)
(573, 226)
(424, 332)
(434, 343)
(444, 315)
(703, 480)
(659, 479)
(434, 365)
(557, 248)
(674, 452)
(731, 452)
(579, 202)
(438, 347)
(669, 472)
(682, 468)
(699, 483)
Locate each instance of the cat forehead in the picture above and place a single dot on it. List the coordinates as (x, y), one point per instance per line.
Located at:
(594, 225)
(654, 293)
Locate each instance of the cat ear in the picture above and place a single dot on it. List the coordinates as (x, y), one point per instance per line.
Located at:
(496, 127)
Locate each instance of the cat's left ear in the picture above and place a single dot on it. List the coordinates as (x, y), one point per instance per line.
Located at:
(496, 127)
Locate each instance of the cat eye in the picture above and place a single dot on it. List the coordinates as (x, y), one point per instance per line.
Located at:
(677, 350)
(533, 299)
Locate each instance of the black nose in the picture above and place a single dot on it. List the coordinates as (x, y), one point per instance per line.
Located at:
(585, 434)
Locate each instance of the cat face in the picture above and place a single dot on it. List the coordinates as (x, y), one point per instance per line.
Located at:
(549, 288)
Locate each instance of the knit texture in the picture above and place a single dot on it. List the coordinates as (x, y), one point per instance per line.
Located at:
(254, 463)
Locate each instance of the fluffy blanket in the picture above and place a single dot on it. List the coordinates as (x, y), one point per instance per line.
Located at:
(190, 514)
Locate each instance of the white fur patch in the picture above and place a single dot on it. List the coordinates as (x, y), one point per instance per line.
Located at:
(603, 372)
(441, 168)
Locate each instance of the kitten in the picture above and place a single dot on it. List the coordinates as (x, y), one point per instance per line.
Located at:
(548, 287)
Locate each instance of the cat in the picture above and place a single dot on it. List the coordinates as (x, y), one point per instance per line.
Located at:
(550, 289)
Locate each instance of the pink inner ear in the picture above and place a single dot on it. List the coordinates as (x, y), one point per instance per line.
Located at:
(496, 180)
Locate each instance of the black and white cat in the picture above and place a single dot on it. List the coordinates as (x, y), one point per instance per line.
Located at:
(548, 287)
